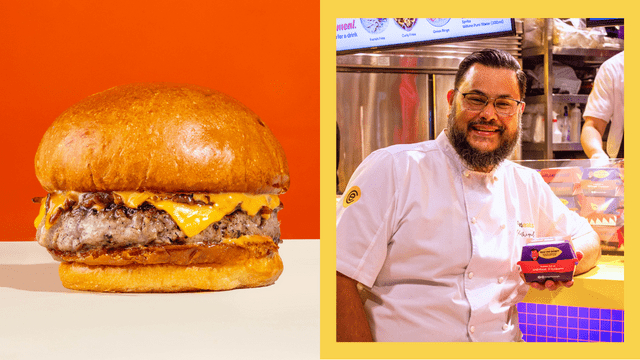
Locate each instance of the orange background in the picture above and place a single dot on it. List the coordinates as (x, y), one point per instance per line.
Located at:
(53, 54)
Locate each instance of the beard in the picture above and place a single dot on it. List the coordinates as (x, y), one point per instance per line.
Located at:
(477, 159)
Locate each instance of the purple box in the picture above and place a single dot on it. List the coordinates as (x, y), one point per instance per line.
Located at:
(548, 259)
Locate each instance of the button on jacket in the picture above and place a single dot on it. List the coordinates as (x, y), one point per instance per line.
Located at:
(436, 244)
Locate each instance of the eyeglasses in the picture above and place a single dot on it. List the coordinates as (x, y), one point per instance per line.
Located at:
(477, 102)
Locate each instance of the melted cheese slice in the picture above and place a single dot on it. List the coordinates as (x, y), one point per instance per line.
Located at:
(41, 213)
(134, 199)
(191, 219)
(56, 201)
(244, 240)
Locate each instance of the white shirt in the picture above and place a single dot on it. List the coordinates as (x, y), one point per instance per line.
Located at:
(606, 100)
(438, 245)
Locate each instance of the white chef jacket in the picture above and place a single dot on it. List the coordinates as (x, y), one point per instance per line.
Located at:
(606, 100)
(437, 245)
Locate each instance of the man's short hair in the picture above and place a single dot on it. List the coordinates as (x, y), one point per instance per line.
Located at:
(495, 59)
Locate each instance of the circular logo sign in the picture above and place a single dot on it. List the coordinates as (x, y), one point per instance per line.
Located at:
(439, 22)
(405, 23)
(550, 252)
(375, 25)
(351, 196)
(601, 174)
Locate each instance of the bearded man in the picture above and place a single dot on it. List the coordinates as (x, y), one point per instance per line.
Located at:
(433, 231)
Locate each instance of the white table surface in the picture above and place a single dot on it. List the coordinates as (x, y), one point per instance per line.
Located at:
(40, 319)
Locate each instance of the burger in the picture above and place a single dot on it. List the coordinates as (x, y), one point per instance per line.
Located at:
(161, 188)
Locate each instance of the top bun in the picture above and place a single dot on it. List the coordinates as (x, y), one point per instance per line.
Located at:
(161, 138)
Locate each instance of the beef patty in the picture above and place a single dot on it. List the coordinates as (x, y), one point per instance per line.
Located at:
(82, 227)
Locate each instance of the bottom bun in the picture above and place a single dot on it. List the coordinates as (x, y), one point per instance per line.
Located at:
(171, 278)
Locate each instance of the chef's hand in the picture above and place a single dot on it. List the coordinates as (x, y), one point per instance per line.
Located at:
(553, 285)
(600, 159)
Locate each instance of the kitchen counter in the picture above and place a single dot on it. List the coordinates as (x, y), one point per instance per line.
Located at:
(601, 287)
(40, 319)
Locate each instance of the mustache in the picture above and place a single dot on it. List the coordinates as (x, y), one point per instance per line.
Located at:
(472, 123)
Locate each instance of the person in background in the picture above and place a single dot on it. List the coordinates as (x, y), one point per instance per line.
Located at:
(605, 105)
(429, 234)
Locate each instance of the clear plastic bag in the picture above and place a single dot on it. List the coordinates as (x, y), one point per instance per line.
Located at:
(565, 78)
(570, 33)
(574, 33)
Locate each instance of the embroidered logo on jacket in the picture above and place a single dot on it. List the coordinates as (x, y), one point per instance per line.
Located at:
(526, 230)
(351, 196)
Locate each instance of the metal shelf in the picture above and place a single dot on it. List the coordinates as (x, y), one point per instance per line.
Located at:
(529, 146)
(558, 98)
(603, 54)
(567, 147)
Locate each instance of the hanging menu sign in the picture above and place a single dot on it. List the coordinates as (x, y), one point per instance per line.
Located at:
(361, 34)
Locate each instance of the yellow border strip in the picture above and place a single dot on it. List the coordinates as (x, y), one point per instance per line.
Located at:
(329, 348)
